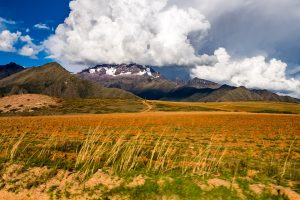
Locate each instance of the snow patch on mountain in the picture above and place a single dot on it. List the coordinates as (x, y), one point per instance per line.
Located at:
(122, 70)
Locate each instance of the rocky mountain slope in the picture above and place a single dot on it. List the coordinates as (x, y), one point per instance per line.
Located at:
(141, 80)
(53, 80)
(9, 69)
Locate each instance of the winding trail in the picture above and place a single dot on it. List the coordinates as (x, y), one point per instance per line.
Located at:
(148, 108)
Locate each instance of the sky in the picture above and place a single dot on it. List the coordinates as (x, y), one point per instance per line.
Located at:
(25, 16)
(250, 43)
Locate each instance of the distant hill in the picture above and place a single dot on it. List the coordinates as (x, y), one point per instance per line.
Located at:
(53, 80)
(201, 84)
(9, 69)
(226, 94)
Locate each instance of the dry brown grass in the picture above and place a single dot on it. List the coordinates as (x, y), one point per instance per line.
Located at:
(254, 135)
(26, 102)
(202, 144)
(251, 106)
(240, 130)
(124, 153)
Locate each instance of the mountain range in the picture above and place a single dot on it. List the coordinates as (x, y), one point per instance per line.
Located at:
(124, 81)
(144, 82)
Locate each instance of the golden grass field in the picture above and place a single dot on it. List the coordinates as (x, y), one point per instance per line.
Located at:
(231, 144)
(265, 136)
(253, 107)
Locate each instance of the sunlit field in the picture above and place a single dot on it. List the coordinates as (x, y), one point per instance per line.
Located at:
(159, 151)
(251, 106)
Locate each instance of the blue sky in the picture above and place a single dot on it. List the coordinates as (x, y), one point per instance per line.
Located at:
(26, 14)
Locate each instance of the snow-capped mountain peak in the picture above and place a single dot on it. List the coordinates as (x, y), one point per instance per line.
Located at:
(122, 70)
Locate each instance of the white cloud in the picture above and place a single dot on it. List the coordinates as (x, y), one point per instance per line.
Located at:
(255, 72)
(26, 39)
(42, 26)
(4, 22)
(29, 49)
(123, 31)
(7, 40)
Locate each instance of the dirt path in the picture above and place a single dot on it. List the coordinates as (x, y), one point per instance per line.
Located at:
(148, 108)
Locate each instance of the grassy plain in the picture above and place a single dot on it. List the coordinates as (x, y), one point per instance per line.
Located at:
(155, 155)
(103, 106)
(83, 106)
(252, 107)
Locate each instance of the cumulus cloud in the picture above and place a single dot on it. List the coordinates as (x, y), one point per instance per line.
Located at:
(124, 31)
(8, 40)
(42, 26)
(254, 72)
(29, 49)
